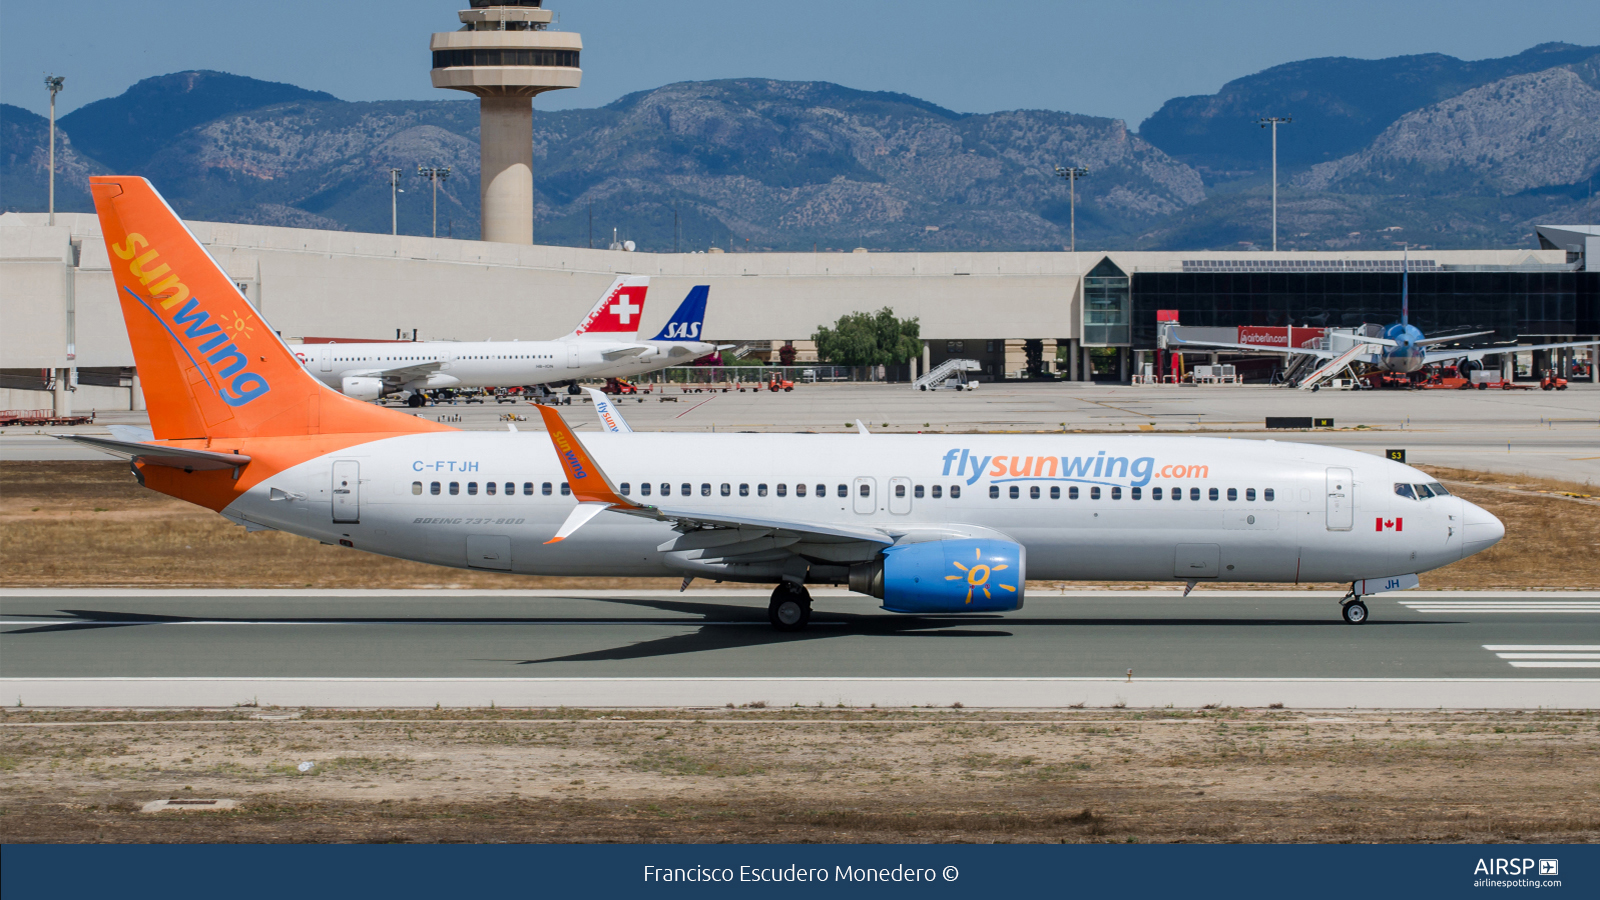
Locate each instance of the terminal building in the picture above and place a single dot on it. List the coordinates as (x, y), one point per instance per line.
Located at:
(1078, 316)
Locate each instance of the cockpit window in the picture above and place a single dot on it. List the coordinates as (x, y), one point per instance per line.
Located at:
(1405, 490)
(1423, 493)
(1438, 489)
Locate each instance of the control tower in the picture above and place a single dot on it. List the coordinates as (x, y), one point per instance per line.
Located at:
(505, 54)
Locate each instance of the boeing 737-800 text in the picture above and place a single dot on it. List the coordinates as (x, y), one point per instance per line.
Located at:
(928, 523)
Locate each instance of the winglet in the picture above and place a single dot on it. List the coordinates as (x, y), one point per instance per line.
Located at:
(579, 517)
(589, 483)
(610, 417)
(860, 428)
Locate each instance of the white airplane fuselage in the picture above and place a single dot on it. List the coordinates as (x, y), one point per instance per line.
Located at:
(1333, 515)
(490, 363)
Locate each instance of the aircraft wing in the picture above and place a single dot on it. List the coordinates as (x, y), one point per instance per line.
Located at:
(1322, 354)
(596, 493)
(400, 374)
(690, 520)
(1445, 338)
(1442, 355)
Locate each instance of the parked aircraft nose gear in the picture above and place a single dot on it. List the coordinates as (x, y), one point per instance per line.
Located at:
(790, 609)
(1355, 612)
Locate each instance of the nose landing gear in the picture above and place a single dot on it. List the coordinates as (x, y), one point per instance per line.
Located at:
(1353, 610)
(790, 607)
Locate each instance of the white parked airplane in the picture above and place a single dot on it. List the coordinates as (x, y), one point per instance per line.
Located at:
(930, 524)
(604, 344)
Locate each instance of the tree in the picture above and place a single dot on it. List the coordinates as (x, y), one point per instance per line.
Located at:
(869, 339)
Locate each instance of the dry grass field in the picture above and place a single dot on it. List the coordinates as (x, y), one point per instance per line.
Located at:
(794, 776)
(89, 524)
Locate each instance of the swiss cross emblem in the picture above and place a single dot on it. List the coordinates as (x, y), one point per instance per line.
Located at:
(1390, 524)
(619, 312)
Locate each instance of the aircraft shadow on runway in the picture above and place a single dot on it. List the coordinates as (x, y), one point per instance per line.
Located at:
(717, 626)
(829, 625)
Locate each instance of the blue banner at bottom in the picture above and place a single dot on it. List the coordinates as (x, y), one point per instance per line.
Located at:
(307, 872)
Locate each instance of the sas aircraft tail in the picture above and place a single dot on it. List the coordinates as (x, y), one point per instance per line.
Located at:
(690, 316)
(210, 366)
(617, 314)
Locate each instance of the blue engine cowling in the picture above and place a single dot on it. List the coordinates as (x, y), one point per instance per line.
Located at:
(954, 576)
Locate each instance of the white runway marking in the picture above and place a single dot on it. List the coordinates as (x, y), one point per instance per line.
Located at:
(1548, 656)
(1503, 606)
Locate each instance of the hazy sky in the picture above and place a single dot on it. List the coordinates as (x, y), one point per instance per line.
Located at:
(1120, 59)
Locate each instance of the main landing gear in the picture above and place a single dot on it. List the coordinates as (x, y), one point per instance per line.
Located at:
(790, 608)
(1354, 611)
(416, 400)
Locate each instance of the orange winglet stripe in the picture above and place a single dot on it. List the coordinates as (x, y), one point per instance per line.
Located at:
(589, 484)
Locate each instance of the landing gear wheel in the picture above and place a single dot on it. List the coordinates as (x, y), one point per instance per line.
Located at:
(790, 609)
(573, 389)
(1355, 612)
(416, 400)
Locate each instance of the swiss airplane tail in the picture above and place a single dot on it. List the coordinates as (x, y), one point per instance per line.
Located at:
(690, 316)
(616, 316)
(210, 366)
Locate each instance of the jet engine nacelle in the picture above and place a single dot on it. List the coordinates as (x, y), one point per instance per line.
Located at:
(953, 576)
(362, 388)
(1465, 367)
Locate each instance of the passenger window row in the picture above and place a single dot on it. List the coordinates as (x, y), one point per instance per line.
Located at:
(491, 488)
(726, 489)
(1035, 492)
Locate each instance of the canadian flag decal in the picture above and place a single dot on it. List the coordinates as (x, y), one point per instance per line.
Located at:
(1390, 524)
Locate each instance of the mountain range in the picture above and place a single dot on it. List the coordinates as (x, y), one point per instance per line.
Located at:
(1429, 150)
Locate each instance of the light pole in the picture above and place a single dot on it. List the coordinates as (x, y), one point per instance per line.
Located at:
(1072, 174)
(54, 83)
(394, 201)
(1274, 121)
(434, 174)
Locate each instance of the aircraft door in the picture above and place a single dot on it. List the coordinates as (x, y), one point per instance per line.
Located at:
(1197, 561)
(572, 354)
(1341, 499)
(864, 490)
(489, 551)
(327, 357)
(346, 491)
(900, 496)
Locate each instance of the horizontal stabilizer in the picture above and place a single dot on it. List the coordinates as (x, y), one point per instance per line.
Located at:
(161, 455)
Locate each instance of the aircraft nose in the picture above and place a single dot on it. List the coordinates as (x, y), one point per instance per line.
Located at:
(1480, 529)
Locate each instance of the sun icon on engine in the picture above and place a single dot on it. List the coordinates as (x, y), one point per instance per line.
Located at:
(977, 576)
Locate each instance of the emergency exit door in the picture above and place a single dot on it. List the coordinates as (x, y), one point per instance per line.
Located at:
(347, 491)
(1341, 499)
(863, 489)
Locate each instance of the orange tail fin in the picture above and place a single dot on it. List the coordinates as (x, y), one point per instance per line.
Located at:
(210, 366)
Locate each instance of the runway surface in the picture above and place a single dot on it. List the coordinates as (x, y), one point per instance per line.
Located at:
(710, 647)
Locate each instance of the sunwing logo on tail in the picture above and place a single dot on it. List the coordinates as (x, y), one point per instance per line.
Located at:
(224, 365)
